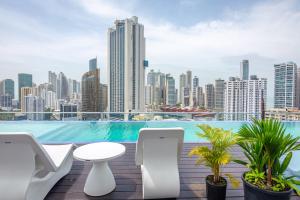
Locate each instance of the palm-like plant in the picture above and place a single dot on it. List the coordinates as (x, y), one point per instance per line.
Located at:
(264, 142)
(218, 154)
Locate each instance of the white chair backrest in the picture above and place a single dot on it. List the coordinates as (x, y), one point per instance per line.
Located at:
(158, 134)
(10, 143)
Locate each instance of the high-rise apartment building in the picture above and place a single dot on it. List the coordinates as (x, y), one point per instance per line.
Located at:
(90, 92)
(52, 79)
(103, 97)
(182, 85)
(33, 106)
(24, 80)
(155, 89)
(7, 87)
(25, 91)
(244, 98)
(51, 100)
(171, 98)
(209, 96)
(126, 63)
(62, 86)
(186, 89)
(93, 64)
(285, 85)
(244, 70)
(219, 95)
(6, 102)
(298, 89)
(195, 90)
(200, 97)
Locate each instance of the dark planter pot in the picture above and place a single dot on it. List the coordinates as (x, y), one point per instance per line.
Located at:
(215, 192)
(251, 192)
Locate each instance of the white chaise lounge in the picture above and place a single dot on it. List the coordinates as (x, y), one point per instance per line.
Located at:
(29, 170)
(158, 153)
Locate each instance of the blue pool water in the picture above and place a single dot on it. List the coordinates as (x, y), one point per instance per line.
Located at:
(85, 131)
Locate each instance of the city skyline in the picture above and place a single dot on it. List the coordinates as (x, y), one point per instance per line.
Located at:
(205, 43)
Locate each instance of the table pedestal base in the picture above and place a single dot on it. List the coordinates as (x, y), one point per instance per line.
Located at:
(100, 180)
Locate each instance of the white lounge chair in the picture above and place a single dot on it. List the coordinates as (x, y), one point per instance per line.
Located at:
(158, 153)
(28, 170)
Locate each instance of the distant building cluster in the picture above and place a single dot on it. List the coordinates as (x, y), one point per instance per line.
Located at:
(130, 89)
(244, 95)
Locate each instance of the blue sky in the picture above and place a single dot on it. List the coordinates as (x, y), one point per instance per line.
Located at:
(209, 37)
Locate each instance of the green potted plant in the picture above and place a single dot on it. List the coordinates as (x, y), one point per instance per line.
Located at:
(214, 157)
(269, 151)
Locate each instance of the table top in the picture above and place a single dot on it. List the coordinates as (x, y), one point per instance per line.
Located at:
(100, 151)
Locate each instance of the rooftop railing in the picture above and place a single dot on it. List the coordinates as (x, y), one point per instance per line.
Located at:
(128, 116)
(146, 116)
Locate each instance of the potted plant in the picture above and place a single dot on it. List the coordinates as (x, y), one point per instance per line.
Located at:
(269, 151)
(214, 157)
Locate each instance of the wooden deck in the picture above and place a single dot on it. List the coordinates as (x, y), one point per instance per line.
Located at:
(129, 180)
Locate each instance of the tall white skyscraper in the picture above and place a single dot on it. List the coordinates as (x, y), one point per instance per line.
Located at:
(285, 85)
(155, 89)
(244, 70)
(34, 104)
(126, 66)
(243, 98)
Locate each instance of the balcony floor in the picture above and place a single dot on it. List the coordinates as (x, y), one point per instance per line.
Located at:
(128, 178)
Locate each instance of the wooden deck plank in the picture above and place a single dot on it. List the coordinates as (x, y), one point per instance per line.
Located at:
(129, 180)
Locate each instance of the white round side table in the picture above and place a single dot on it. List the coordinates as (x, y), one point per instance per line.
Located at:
(100, 180)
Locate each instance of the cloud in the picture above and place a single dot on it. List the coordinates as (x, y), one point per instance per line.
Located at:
(104, 8)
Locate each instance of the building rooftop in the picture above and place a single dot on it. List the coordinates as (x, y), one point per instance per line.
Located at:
(129, 180)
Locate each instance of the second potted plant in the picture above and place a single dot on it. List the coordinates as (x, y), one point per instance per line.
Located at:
(269, 152)
(214, 157)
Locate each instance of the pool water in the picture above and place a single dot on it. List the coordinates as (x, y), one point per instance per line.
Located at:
(86, 131)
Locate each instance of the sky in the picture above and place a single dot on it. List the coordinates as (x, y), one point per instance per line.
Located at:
(209, 37)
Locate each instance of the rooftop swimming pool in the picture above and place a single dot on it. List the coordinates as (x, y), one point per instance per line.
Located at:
(87, 131)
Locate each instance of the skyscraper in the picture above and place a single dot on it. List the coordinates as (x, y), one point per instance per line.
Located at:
(182, 85)
(34, 104)
(298, 89)
(200, 97)
(219, 95)
(52, 79)
(285, 85)
(186, 89)
(170, 91)
(7, 87)
(244, 70)
(24, 80)
(209, 96)
(93, 64)
(103, 97)
(62, 86)
(25, 91)
(126, 56)
(195, 91)
(90, 88)
(155, 89)
(243, 98)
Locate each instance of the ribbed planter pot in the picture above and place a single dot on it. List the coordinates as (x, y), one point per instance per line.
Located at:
(215, 192)
(251, 192)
